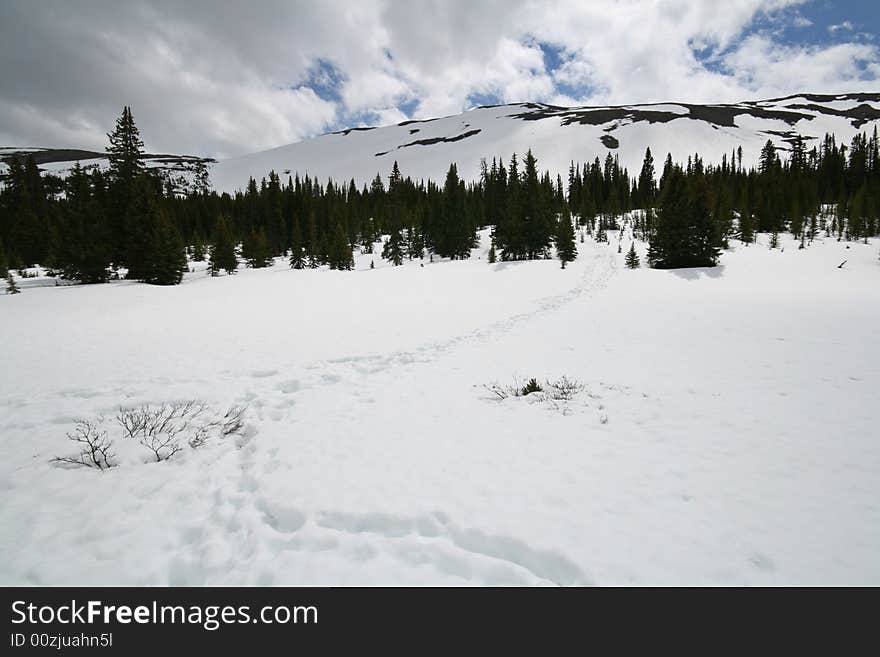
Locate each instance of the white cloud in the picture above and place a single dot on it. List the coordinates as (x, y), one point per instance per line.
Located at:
(227, 78)
(845, 25)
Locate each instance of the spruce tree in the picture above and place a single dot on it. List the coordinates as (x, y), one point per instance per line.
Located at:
(684, 233)
(83, 250)
(223, 249)
(340, 251)
(297, 259)
(126, 159)
(198, 250)
(167, 255)
(493, 258)
(632, 258)
(566, 248)
(393, 249)
(140, 217)
(256, 250)
(126, 150)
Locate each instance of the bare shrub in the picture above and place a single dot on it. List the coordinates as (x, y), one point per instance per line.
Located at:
(232, 423)
(94, 446)
(564, 388)
(500, 391)
(165, 428)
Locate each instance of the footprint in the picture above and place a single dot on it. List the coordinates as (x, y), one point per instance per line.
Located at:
(281, 518)
(288, 387)
(262, 374)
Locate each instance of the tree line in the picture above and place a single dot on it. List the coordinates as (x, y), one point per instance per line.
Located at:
(127, 221)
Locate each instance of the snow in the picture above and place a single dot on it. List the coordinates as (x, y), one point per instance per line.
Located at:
(361, 154)
(727, 433)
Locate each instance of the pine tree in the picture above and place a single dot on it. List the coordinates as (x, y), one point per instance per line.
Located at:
(223, 249)
(82, 251)
(198, 250)
(393, 249)
(340, 251)
(11, 287)
(566, 248)
(647, 186)
(493, 258)
(297, 259)
(632, 258)
(126, 159)
(140, 217)
(256, 250)
(167, 255)
(684, 233)
(126, 150)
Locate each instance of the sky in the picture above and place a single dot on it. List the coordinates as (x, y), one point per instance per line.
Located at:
(222, 78)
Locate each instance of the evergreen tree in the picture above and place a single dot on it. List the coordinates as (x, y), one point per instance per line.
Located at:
(566, 249)
(632, 258)
(297, 260)
(140, 217)
(493, 258)
(126, 159)
(167, 254)
(393, 250)
(83, 250)
(223, 249)
(198, 250)
(647, 186)
(340, 251)
(126, 150)
(684, 234)
(256, 250)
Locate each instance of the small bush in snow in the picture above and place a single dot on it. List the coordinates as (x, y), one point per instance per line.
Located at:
(94, 446)
(165, 428)
(530, 387)
(563, 388)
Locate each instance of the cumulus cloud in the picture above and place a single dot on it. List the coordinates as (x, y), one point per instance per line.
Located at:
(224, 78)
(845, 25)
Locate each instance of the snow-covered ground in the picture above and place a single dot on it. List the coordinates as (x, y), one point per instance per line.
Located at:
(727, 434)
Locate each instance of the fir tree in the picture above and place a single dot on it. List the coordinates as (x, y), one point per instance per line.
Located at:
(198, 250)
(223, 249)
(393, 249)
(566, 249)
(167, 255)
(256, 250)
(126, 150)
(493, 258)
(632, 258)
(297, 260)
(684, 233)
(340, 251)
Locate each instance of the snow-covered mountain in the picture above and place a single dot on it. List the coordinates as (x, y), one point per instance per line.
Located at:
(558, 135)
(179, 169)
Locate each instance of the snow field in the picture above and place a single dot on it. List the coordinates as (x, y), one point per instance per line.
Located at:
(726, 434)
